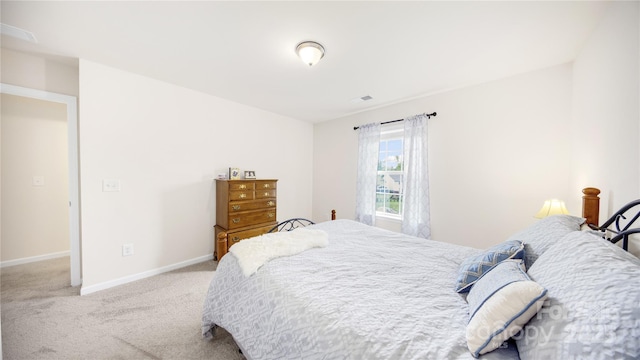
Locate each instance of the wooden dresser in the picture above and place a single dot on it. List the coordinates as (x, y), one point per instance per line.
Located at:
(244, 209)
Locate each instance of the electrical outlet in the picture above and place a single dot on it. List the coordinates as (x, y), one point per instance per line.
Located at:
(127, 249)
(110, 185)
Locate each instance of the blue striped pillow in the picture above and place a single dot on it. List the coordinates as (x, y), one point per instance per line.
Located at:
(500, 304)
(472, 269)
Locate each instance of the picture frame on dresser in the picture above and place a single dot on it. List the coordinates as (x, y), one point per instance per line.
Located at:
(234, 173)
(250, 174)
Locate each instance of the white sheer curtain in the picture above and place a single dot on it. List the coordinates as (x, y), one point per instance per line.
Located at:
(416, 217)
(368, 148)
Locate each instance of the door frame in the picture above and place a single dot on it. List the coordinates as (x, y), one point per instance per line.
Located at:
(71, 103)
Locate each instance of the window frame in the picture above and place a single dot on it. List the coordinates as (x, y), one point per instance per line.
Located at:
(394, 132)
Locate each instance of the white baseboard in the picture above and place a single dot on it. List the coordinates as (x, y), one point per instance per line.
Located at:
(31, 259)
(85, 290)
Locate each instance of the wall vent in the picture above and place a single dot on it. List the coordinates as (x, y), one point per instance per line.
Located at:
(362, 98)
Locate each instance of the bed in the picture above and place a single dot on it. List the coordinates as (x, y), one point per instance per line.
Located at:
(369, 293)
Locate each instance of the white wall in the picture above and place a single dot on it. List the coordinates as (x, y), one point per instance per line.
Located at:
(35, 72)
(35, 220)
(496, 152)
(606, 112)
(606, 116)
(165, 144)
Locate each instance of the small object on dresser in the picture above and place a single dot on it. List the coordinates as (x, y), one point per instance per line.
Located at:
(234, 173)
(222, 176)
(250, 174)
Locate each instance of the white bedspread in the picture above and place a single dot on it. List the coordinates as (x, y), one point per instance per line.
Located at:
(369, 294)
(255, 252)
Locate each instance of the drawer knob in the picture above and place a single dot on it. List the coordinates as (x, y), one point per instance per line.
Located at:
(236, 207)
(270, 215)
(266, 186)
(235, 238)
(236, 220)
(266, 193)
(242, 187)
(243, 195)
(270, 203)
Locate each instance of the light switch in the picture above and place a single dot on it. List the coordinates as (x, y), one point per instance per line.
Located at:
(110, 185)
(38, 181)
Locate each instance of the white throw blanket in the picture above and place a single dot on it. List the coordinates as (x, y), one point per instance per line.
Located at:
(255, 252)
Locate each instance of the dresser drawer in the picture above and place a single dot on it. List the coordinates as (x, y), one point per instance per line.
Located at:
(265, 194)
(241, 185)
(251, 218)
(265, 184)
(238, 206)
(241, 195)
(246, 234)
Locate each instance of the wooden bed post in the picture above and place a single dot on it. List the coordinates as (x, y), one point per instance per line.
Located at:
(591, 205)
(333, 214)
(221, 245)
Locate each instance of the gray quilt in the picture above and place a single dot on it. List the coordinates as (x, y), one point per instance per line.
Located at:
(370, 294)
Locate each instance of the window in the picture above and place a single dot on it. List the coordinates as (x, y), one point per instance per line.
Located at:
(389, 195)
(390, 183)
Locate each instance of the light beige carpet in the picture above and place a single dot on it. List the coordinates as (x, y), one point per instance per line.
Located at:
(43, 317)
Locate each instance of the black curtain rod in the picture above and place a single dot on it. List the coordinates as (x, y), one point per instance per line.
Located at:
(392, 121)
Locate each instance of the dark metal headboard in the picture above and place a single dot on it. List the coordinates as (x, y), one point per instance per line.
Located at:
(295, 223)
(621, 221)
(291, 224)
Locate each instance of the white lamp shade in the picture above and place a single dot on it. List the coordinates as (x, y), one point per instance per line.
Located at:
(310, 52)
(552, 207)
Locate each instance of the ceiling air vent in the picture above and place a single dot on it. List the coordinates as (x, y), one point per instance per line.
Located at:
(361, 99)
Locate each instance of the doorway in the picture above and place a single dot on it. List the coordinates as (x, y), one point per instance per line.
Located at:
(70, 102)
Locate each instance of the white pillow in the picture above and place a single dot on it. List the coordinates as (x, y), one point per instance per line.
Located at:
(500, 304)
(593, 307)
(543, 233)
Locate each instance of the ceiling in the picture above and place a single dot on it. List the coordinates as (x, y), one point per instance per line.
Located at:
(244, 51)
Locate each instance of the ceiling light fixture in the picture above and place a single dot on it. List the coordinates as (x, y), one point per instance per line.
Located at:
(310, 52)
